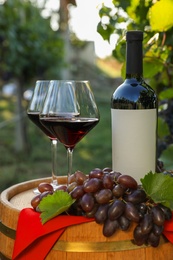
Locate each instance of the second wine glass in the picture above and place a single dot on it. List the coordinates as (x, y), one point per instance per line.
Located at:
(69, 113)
(33, 111)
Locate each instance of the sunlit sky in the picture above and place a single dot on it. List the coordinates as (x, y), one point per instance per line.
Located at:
(83, 21)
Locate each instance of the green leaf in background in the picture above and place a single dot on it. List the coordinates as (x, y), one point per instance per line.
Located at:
(123, 70)
(103, 31)
(159, 187)
(55, 204)
(160, 15)
(163, 129)
(131, 10)
(166, 94)
(167, 158)
(151, 67)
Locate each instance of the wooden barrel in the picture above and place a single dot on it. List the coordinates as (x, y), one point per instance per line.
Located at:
(84, 241)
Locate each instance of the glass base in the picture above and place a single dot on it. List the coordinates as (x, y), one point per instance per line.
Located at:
(54, 184)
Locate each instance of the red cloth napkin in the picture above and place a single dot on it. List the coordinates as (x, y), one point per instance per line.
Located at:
(34, 240)
(168, 229)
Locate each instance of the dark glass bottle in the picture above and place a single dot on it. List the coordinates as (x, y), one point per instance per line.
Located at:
(134, 116)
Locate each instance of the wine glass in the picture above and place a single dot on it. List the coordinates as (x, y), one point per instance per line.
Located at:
(33, 111)
(69, 113)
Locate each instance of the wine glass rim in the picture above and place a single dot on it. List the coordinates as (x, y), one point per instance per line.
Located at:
(70, 80)
(40, 80)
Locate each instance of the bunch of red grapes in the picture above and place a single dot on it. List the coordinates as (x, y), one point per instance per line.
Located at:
(114, 200)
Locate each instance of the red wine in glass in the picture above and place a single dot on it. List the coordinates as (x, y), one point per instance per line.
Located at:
(69, 113)
(33, 111)
(34, 117)
(69, 131)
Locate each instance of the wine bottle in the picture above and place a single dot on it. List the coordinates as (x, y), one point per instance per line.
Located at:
(134, 116)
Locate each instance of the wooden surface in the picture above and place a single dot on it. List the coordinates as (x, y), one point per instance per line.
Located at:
(81, 242)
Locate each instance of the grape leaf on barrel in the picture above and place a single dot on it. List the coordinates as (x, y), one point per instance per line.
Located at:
(159, 187)
(53, 205)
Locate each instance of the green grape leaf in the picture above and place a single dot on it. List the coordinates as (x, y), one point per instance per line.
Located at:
(158, 187)
(160, 15)
(55, 204)
(103, 31)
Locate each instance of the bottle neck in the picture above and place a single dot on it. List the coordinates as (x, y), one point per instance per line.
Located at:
(134, 63)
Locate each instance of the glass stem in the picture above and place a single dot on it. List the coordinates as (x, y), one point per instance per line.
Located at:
(69, 158)
(54, 161)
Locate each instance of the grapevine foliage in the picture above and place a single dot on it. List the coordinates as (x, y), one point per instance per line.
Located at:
(159, 188)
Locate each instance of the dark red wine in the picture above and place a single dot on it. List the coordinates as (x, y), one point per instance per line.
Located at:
(69, 131)
(34, 117)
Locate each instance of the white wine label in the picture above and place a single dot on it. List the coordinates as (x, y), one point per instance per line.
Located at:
(134, 141)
